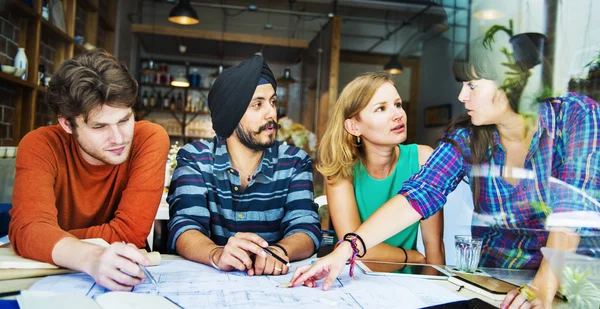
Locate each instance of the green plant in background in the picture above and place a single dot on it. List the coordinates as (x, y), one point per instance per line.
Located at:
(516, 79)
(578, 286)
(488, 39)
(594, 63)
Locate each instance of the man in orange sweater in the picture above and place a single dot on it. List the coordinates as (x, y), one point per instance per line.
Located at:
(97, 174)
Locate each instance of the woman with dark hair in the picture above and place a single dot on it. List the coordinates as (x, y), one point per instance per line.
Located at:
(512, 161)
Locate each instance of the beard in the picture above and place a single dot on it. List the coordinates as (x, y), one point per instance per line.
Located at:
(97, 153)
(249, 139)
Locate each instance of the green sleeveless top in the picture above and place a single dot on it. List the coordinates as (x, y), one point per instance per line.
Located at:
(372, 193)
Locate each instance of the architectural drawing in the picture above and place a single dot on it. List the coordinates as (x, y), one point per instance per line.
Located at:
(193, 285)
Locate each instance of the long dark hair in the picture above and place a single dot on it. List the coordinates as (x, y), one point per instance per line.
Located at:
(474, 63)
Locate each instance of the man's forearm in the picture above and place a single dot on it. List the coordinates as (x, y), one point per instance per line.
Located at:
(195, 246)
(75, 254)
(299, 246)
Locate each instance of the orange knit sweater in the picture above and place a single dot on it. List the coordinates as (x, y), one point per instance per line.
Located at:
(58, 194)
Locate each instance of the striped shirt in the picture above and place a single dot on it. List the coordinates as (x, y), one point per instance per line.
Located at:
(566, 146)
(206, 195)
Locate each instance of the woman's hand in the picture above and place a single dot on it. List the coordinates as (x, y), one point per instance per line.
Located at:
(328, 266)
(514, 300)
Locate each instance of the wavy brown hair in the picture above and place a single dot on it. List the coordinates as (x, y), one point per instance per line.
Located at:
(91, 79)
(338, 150)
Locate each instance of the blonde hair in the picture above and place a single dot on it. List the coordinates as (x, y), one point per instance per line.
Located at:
(339, 150)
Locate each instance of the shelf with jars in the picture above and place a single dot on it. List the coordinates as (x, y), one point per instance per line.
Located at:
(174, 94)
(38, 39)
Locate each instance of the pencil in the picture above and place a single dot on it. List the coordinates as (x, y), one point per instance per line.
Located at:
(146, 272)
(148, 275)
(277, 257)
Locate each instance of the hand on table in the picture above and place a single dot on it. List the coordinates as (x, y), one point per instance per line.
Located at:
(515, 300)
(269, 265)
(328, 267)
(115, 267)
(237, 253)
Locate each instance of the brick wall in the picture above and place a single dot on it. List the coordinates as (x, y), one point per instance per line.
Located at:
(101, 37)
(9, 96)
(47, 53)
(43, 114)
(9, 34)
(79, 19)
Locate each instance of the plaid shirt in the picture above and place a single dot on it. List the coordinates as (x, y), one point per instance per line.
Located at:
(205, 195)
(511, 219)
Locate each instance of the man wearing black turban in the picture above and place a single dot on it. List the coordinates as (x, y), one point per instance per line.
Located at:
(243, 191)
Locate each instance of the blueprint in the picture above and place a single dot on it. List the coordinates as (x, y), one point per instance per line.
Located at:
(194, 285)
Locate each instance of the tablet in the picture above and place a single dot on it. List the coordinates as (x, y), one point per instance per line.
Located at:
(402, 269)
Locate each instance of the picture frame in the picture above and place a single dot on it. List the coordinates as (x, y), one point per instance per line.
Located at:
(437, 116)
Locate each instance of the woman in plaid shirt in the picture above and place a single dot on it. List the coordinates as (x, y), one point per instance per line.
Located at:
(513, 163)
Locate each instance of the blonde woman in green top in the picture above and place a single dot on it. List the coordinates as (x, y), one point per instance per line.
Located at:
(365, 165)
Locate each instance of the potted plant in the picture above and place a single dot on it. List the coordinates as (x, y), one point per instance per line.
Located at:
(528, 47)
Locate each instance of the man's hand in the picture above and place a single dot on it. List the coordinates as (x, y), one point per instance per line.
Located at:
(115, 267)
(269, 265)
(237, 253)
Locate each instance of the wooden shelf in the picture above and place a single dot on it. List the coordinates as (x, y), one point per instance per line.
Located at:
(165, 111)
(105, 24)
(88, 5)
(55, 31)
(19, 8)
(79, 48)
(15, 80)
(169, 86)
(191, 136)
(41, 89)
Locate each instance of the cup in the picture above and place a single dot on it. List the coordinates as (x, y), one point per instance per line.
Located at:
(11, 152)
(468, 252)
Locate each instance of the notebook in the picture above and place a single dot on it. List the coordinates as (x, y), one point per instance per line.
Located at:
(489, 287)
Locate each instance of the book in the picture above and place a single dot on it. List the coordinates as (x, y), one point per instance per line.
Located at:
(489, 287)
(112, 300)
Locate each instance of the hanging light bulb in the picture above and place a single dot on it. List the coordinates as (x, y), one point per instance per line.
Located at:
(393, 66)
(181, 81)
(183, 14)
(287, 76)
(487, 10)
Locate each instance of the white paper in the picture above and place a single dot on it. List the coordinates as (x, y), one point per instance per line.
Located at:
(194, 285)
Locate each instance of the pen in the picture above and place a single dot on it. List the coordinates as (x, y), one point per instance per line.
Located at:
(277, 257)
(146, 272)
(148, 275)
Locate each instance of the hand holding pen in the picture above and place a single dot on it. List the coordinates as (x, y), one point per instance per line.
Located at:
(277, 263)
(116, 267)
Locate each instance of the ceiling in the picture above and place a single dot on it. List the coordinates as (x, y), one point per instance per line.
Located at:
(169, 45)
(376, 26)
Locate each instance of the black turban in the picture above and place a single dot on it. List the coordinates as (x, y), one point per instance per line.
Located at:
(232, 91)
